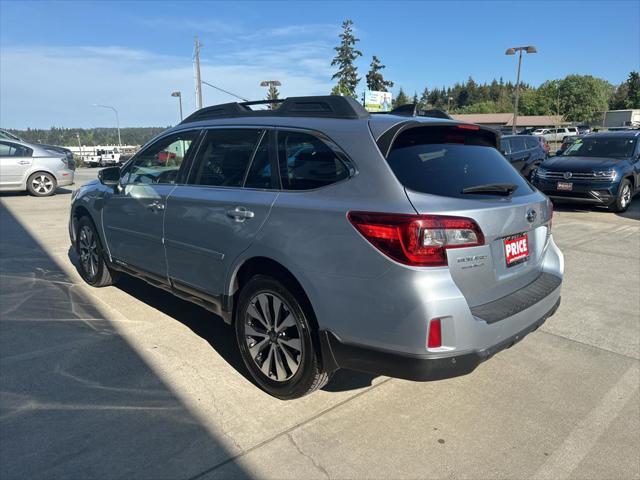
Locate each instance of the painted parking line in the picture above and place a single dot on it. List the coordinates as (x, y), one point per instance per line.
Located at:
(587, 433)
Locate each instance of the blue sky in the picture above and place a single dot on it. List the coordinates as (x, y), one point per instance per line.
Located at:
(57, 58)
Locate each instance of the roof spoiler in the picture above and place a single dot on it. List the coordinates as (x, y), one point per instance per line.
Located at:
(327, 106)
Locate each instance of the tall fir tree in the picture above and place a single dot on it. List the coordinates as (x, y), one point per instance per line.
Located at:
(633, 88)
(424, 98)
(346, 54)
(401, 99)
(273, 94)
(375, 80)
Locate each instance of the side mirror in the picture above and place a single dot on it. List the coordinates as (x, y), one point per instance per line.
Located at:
(109, 176)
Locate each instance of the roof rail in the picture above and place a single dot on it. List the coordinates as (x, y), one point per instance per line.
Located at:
(413, 110)
(327, 106)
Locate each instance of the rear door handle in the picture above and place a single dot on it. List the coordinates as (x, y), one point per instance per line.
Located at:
(240, 214)
(24, 162)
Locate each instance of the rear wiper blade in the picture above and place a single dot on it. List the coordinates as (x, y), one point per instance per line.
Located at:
(492, 188)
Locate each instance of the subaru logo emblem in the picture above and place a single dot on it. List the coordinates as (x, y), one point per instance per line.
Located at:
(567, 175)
(531, 216)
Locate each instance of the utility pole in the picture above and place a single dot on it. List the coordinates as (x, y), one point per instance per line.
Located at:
(79, 144)
(196, 68)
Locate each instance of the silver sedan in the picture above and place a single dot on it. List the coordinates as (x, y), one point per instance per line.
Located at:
(35, 168)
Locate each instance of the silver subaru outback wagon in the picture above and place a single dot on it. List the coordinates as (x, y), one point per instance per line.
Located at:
(330, 238)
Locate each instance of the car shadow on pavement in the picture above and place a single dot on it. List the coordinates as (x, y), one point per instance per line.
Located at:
(24, 193)
(214, 330)
(77, 400)
(633, 212)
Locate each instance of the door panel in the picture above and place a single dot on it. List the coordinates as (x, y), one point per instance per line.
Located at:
(210, 222)
(15, 161)
(133, 214)
(132, 222)
(205, 231)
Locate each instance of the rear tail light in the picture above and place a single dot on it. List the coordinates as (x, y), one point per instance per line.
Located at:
(435, 334)
(417, 240)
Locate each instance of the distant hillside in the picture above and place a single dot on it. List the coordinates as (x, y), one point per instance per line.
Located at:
(89, 136)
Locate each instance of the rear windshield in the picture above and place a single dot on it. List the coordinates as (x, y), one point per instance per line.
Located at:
(445, 160)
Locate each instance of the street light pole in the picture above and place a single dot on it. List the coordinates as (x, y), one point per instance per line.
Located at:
(179, 95)
(449, 103)
(512, 51)
(117, 121)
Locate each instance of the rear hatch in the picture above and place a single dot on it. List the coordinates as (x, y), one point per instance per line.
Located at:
(456, 170)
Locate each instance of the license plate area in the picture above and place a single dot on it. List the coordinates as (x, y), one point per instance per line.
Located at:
(516, 249)
(565, 186)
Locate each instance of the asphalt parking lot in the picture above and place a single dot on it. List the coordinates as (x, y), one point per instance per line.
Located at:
(130, 382)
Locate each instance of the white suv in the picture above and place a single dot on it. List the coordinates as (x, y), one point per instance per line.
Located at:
(556, 134)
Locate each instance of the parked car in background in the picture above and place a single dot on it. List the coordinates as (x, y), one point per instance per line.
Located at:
(556, 134)
(601, 169)
(267, 217)
(566, 143)
(524, 152)
(6, 135)
(544, 144)
(26, 166)
(526, 131)
(583, 129)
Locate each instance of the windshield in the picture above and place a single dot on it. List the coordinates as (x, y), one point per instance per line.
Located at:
(610, 147)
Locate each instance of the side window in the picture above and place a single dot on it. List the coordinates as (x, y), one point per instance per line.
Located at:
(531, 142)
(517, 144)
(160, 162)
(224, 156)
(306, 162)
(259, 175)
(8, 149)
(504, 146)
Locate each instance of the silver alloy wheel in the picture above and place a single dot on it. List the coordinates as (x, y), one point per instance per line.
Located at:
(626, 196)
(42, 184)
(88, 251)
(273, 336)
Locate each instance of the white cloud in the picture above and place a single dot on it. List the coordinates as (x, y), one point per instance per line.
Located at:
(46, 86)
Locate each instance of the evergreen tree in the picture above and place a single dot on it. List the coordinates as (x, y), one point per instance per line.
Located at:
(375, 80)
(346, 54)
(401, 99)
(424, 98)
(273, 94)
(414, 99)
(633, 87)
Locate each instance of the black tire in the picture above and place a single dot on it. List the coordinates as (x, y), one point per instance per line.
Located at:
(309, 375)
(93, 267)
(42, 184)
(624, 197)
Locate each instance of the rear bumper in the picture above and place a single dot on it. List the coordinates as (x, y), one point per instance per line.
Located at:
(337, 354)
(65, 177)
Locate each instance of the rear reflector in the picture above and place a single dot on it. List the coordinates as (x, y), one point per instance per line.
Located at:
(435, 334)
(417, 240)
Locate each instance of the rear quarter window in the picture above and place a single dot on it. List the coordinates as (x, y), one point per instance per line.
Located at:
(307, 163)
(444, 160)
